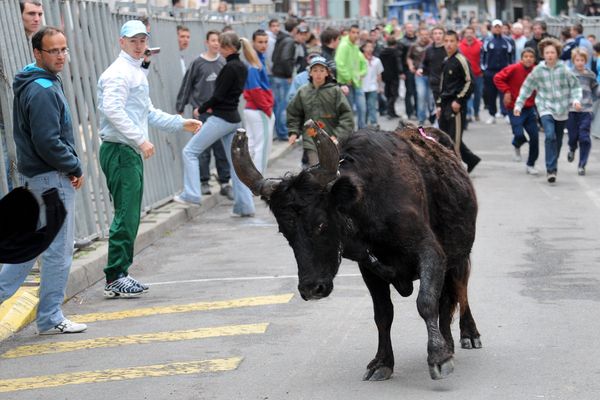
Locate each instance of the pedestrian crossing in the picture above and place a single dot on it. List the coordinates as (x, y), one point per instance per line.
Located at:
(57, 345)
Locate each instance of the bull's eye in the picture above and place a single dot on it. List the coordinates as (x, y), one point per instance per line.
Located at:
(320, 228)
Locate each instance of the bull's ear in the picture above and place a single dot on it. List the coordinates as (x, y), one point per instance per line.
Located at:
(345, 192)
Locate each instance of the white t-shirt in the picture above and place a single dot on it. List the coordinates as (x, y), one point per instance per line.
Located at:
(374, 68)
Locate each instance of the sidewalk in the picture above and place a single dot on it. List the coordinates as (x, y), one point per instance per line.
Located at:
(87, 269)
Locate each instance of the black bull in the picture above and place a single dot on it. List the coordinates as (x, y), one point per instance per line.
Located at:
(399, 204)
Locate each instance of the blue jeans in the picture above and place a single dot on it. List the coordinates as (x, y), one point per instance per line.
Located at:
(372, 101)
(526, 122)
(356, 98)
(214, 129)
(474, 102)
(281, 87)
(425, 103)
(554, 131)
(56, 260)
(578, 127)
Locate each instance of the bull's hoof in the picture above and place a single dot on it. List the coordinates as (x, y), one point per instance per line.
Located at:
(378, 374)
(441, 371)
(470, 343)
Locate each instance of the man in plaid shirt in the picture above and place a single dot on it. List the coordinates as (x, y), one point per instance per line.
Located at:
(557, 90)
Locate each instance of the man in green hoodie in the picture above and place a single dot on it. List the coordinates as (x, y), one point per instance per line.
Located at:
(351, 67)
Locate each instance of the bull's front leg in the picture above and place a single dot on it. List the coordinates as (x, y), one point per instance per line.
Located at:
(382, 366)
(432, 268)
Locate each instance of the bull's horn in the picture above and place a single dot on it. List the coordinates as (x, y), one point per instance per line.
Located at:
(329, 156)
(245, 169)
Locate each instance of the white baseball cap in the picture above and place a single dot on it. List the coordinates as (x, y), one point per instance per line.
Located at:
(133, 27)
(497, 22)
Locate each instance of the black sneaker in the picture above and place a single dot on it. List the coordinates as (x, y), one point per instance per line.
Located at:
(471, 167)
(145, 288)
(122, 287)
(551, 176)
(570, 156)
(581, 171)
(205, 188)
(227, 191)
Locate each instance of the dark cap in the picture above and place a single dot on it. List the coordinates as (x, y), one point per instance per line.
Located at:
(303, 29)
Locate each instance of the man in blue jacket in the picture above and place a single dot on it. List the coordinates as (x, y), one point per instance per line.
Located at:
(46, 159)
(498, 51)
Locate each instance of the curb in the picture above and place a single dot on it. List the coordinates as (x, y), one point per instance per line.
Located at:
(87, 268)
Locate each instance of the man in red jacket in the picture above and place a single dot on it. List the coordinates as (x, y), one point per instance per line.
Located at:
(524, 127)
(470, 47)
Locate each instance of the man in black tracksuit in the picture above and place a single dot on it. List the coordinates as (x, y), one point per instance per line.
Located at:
(392, 68)
(455, 88)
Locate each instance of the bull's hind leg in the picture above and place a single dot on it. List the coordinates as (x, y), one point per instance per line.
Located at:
(382, 366)
(431, 272)
(469, 335)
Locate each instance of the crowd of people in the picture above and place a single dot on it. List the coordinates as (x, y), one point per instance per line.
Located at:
(345, 79)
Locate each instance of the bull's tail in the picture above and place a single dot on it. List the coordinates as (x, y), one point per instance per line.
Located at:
(455, 296)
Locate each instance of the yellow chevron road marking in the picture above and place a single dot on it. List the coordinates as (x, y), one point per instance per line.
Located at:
(115, 341)
(203, 306)
(120, 374)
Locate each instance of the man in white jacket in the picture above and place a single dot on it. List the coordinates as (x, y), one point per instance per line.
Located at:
(125, 111)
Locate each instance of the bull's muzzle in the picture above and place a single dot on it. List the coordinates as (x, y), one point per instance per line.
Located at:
(315, 290)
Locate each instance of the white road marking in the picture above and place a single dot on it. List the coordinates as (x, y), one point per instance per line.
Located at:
(244, 278)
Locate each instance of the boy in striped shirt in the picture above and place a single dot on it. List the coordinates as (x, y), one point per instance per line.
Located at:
(557, 89)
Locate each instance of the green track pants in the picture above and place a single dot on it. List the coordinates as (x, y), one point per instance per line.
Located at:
(124, 172)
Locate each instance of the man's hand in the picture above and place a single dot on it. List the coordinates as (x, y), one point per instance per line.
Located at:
(292, 139)
(192, 125)
(455, 106)
(438, 112)
(403, 77)
(507, 99)
(345, 89)
(577, 106)
(77, 182)
(419, 72)
(334, 139)
(147, 149)
(517, 112)
(196, 113)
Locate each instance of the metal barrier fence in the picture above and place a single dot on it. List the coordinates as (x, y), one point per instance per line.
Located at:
(92, 36)
(591, 25)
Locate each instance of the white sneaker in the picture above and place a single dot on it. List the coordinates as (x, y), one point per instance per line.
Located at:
(66, 326)
(517, 156)
(532, 171)
(490, 120)
(177, 199)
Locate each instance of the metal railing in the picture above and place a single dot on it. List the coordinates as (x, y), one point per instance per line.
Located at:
(591, 25)
(92, 35)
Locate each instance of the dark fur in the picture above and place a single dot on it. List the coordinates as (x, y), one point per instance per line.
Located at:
(404, 208)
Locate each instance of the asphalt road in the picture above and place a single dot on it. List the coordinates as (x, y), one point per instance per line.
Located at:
(228, 322)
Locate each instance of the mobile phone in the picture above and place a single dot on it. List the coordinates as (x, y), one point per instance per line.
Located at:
(150, 51)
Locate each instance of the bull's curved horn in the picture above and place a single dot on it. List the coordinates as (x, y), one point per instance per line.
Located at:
(245, 169)
(329, 156)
